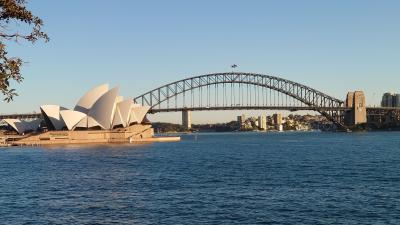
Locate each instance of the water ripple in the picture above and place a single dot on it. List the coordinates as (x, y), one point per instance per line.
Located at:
(253, 178)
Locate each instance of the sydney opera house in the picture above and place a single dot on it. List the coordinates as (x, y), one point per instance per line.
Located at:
(101, 115)
(100, 108)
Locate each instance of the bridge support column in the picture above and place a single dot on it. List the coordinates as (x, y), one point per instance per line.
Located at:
(187, 119)
(358, 115)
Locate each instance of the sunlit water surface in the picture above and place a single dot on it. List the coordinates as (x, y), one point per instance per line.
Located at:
(235, 178)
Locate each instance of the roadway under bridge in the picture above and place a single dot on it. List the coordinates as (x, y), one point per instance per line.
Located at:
(21, 116)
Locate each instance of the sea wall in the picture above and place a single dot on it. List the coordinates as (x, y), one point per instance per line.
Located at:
(132, 133)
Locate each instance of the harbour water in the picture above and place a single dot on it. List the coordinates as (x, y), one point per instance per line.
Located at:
(227, 178)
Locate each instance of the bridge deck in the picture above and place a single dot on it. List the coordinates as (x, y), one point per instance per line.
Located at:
(221, 108)
(290, 108)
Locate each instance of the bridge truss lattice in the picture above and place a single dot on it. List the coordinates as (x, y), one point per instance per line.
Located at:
(237, 90)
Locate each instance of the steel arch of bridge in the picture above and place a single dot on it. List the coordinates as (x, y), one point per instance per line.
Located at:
(328, 106)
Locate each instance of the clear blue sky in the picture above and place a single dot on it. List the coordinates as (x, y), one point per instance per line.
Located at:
(333, 46)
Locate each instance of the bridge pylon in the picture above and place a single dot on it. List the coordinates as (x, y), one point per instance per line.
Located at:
(358, 114)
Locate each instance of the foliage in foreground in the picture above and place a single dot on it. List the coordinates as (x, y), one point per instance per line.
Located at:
(13, 14)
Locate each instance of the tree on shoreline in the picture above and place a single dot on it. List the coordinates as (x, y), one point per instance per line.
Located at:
(14, 12)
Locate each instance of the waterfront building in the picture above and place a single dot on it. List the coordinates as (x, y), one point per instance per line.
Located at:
(396, 100)
(390, 100)
(99, 109)
(387, 100)
(100, 116)
(241, 120)
(277, 120)
(262, 122)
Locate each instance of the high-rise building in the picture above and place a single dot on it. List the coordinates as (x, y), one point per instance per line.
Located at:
(387, 100)
(390, 100)
(262, 122)
(396, 100)
(241, 119)
(277, 120)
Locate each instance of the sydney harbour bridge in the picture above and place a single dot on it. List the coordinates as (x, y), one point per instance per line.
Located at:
(252, 91)
(246, 91)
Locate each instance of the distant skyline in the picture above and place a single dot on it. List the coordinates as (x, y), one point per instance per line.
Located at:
(332, 46)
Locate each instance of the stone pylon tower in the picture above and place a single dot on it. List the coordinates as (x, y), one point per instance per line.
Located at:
(358, 113)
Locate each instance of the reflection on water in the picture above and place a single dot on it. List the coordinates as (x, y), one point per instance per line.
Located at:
(96, 146)
(242, 178)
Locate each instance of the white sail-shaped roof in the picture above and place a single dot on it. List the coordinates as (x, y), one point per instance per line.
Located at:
(52, 115)
(103, 109)
(87, 101)
(21, 126)
(139, 113)
(15, 124)
(83, 123)
(87, 122)
(117, 119)
(99, 107)
(119, 99)
(132, 117)
(72, 118)
(122, 113)
(92, 122)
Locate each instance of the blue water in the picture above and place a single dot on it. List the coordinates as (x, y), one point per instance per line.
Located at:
(237, 178)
